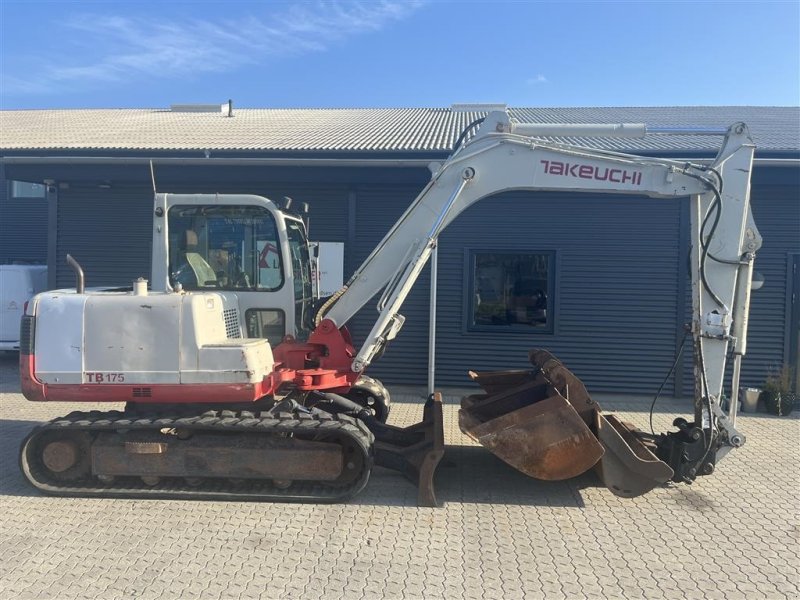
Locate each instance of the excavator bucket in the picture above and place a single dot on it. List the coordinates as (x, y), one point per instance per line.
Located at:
(628, 468)
(545, 438)
(529, 423)
(544, 423)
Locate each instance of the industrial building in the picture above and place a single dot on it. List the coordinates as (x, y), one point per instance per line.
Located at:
(604, 278)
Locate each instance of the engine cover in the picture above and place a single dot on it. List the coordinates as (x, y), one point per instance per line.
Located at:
(159, 339)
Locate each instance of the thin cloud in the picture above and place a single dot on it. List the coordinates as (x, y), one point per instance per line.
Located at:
(127, 47)
(539, 79)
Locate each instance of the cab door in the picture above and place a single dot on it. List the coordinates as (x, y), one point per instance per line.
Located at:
(302, 278)
(235, 245)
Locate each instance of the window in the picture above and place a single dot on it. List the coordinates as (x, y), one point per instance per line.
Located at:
(301, 269)
(269, 324)
(224, 247)
(511, 290)
(24, 189)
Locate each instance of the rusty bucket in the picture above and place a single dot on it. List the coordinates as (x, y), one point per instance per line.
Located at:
(526, 420)
(543, 423)
(545, 439)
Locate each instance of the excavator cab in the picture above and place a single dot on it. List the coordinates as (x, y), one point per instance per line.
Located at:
(240, 245)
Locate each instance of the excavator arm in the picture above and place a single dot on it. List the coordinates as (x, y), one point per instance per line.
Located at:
(506, 155)
(503, 159)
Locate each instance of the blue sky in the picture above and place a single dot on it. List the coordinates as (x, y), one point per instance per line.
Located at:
(95, 53)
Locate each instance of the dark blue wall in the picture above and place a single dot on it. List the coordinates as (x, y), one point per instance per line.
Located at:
(776, 209)
(621, 286)
(23, 226)
(616, 303)
(775, 199)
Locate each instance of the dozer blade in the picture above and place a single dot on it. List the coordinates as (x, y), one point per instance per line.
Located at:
(543, 423)
(543, 437)
(416, 450)
(628, 468)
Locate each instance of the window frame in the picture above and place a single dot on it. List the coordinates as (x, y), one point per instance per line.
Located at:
(553, 264)
(252, 309)
(228, 288)
(306, 304)
(14, 196)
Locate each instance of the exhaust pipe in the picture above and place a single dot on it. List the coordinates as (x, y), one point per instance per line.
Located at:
(79, 279)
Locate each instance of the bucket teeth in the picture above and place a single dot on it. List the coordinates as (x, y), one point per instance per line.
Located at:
(543, 423)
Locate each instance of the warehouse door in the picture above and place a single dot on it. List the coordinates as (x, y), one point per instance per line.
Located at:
(794, 323)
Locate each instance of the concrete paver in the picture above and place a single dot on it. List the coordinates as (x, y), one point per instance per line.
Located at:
(498, 534)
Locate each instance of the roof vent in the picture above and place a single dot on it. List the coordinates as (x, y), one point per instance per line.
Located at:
(199, 108)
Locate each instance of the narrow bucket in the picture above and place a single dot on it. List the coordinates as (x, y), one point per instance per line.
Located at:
(628, 467)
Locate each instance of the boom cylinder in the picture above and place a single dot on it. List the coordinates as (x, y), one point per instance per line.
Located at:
(623, 130)
(618, 130)
(741, 310)
(741, 304)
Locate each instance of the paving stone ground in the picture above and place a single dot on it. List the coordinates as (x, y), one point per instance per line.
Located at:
(498, 534)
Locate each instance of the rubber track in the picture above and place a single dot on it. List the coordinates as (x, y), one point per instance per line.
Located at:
(213, 489)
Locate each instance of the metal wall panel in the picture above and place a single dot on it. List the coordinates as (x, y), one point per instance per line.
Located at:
(615, 286)
(777, 214)
(406, 358)
(620, 263)
(108, 231)
(23, 226)
(616, 300)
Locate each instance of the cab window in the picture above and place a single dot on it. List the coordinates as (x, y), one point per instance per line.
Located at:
(301, 271)
(224, 247)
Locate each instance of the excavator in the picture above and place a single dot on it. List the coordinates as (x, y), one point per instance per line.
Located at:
(238, 385)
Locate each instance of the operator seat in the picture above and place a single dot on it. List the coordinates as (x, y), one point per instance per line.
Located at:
(202, 270)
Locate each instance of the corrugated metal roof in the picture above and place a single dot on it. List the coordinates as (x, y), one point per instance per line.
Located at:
(364, 130)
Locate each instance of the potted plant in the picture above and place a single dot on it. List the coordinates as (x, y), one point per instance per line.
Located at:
(777, 394)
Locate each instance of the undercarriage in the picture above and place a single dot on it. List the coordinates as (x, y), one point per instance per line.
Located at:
(289, 452)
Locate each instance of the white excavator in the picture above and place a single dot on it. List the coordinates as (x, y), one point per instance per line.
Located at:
(237, 385)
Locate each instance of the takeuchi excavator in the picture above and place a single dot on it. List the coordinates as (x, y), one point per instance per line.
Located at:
(238, 385)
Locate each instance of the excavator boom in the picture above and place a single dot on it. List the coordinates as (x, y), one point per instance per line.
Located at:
(536, 425)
